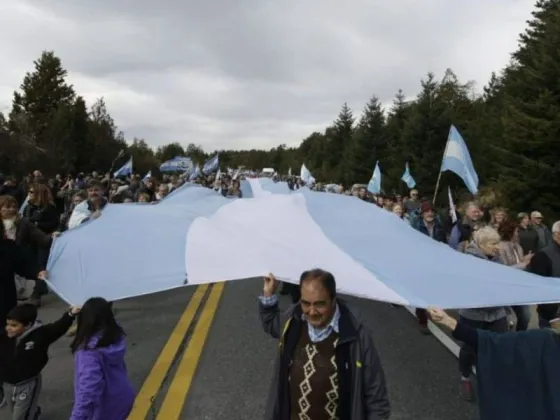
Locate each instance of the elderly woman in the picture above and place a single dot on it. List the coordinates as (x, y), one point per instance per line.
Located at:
(485, 245)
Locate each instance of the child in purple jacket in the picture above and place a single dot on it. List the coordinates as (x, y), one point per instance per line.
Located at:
(102, 390)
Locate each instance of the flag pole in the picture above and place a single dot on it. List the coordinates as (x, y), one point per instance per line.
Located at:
(439, 176)
(437, 187)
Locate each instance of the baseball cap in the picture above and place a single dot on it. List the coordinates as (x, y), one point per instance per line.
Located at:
(536, 215)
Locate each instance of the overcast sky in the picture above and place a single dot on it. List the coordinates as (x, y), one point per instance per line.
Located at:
(252, 73)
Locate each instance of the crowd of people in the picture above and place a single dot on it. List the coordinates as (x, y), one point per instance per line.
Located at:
(36, 210)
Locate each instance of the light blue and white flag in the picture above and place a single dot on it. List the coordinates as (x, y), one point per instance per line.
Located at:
(457, 159)
(305, 175)
(407, 177)
(125, 170)
(177, 164)
(374, 185)
(236, 174)
(195, 174)
(147, 177)
(362, 245)
(211, 165)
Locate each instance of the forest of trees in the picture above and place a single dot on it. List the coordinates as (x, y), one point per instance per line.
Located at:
(512, 130)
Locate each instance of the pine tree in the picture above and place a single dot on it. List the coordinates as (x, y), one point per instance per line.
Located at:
(108, 141)
(84, 146)
(530, 149)
(42, 92)
(397, 153)
(339, 143)
(369, 143)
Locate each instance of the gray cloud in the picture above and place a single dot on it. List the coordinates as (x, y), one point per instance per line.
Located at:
(252, 73)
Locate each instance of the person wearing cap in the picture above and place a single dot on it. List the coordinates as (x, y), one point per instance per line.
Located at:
(546, 263)
(429, 225)
(528, 237)
(542, 230)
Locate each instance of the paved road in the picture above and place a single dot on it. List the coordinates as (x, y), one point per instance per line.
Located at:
(232, 377)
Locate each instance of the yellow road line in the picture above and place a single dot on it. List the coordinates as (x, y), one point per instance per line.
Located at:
(153, 382)
(175, 399)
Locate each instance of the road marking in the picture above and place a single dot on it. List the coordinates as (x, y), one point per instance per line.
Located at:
(153, 382)
(438, 333)
(172, 405)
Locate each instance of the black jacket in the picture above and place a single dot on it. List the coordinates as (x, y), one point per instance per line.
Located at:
(361, 379)
(24, 357)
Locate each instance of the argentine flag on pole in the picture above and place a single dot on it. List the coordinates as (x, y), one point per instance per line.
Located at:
(125, 170)
(147, 177)
(457, 159)
(195, 174)
(374, 185)
(211, 165)
(407, 178)
(305, 175)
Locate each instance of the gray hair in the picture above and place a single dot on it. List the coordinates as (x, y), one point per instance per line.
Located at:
(487, 234)
(556, 227)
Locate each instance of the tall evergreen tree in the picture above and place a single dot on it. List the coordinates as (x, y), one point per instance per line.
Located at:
(369, 143)
(397, 152)
(339, 143)
(109, 142)
(530, 150)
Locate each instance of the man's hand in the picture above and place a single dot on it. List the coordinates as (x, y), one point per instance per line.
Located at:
(75, 310)
(42, 275)
(95, 215)
(270, 285)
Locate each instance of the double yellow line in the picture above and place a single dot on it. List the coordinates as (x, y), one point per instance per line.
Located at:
(172, 405)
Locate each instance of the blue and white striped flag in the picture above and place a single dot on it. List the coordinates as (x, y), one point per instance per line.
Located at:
(374, 185)
(195, 174)
(211, 165)
(125, 170)
(362, 245)
(457, 159)
(407, 178)
(147, 177)
(177, 164)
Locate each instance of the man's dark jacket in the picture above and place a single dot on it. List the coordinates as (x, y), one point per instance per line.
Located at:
(361, 380)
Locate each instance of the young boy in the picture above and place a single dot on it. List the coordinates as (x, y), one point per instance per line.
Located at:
(24, 354)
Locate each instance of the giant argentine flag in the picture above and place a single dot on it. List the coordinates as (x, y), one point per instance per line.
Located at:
(370, 251)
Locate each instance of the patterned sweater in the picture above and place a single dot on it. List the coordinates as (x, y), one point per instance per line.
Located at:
(314, 379)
